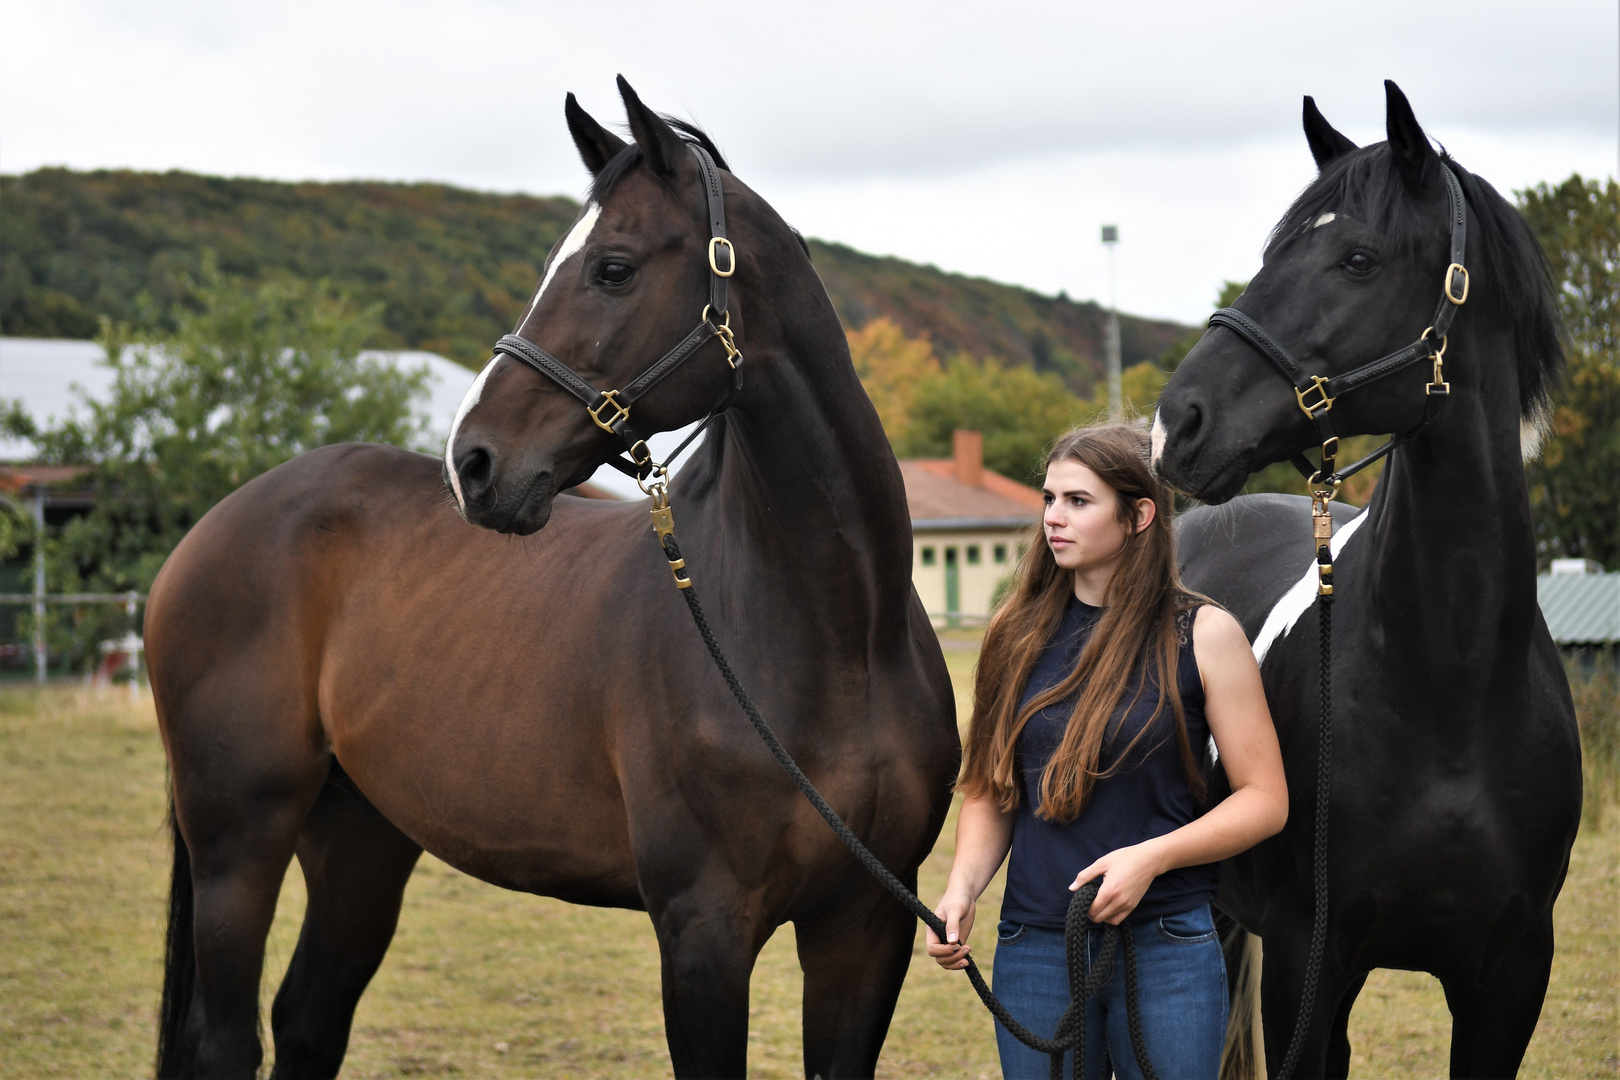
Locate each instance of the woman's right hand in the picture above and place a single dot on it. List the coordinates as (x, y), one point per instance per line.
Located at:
(957, 912)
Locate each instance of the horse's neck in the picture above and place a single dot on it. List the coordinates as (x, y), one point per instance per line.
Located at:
(1452, 574)
(805, 503)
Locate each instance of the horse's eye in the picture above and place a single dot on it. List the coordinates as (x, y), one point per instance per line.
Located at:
(615, 273)
(1360, 262)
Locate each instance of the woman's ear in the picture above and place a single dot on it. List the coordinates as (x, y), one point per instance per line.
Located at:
(1146, 511)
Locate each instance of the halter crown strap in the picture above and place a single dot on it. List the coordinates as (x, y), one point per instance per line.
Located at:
(1316, 393)
(610, 409)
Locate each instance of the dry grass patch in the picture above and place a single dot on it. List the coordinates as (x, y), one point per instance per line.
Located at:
(484, 982)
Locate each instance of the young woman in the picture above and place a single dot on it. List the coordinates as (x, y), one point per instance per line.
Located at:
(1100, 682)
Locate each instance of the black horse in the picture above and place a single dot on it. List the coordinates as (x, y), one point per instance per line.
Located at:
(1456, 783)
(347, 671)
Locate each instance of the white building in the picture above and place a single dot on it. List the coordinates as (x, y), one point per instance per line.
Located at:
(968, 527)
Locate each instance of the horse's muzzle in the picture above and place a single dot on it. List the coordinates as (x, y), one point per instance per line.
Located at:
(501, 495)
(1193, 458)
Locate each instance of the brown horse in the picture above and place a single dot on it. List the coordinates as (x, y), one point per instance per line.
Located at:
(346, 671)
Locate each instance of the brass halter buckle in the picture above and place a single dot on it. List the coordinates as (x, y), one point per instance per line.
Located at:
(731, 257)
(1451, 273)
(621, 412)
(1318, 387)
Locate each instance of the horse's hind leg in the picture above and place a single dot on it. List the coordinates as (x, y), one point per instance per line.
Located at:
(854, 959)
(1492, 1019)
(356, 865)
(240, 799)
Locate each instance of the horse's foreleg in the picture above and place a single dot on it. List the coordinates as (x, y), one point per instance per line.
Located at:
(1282, 988)
(708, 939)
(1338, 1056)
(356, 865)
(854, 959)
(1492, 1019)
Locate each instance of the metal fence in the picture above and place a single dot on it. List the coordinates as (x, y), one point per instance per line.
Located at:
(37, 600)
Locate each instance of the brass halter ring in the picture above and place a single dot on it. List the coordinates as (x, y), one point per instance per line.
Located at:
(659, 486)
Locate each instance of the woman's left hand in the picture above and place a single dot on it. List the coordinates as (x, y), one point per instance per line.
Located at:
(1126, 872)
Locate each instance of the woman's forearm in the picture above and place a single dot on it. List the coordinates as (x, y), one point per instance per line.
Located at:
(1241, 820)
(983, 835)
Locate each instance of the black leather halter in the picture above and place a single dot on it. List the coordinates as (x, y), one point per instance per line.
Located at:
(610, 409)
(1316, 393)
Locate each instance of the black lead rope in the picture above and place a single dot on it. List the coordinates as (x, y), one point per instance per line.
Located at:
(1071, 1029)
(1324, 779)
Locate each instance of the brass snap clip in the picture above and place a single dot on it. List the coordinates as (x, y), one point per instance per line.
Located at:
(1438, 386)
(663, 517)
(722, 330)
(1322, 536)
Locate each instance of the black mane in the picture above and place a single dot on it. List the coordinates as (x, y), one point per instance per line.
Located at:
(628, 158)
(1510, 269)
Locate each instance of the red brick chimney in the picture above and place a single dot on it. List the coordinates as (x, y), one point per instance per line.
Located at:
(967, 447)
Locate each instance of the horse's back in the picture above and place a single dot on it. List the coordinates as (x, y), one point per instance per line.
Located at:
(1246, 553)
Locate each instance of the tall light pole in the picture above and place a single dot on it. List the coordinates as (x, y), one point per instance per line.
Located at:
(39, 582)
(1116, 402)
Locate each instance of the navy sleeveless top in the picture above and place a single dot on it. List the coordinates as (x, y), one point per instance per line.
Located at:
(1146, 796)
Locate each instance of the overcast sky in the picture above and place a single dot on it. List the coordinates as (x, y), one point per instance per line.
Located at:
(992, 139)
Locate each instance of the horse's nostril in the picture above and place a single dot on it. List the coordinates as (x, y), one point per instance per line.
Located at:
(1192, 421)
(475, 467)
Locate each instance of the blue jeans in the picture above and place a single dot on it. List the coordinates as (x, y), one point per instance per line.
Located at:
(1181, 993)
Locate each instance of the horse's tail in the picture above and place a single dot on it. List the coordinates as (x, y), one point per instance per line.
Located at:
(174, 1050)
(1244, 1055)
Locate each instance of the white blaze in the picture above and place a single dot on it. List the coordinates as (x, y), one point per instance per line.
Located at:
(1298, 600)
(474, 392)
(1324, 219)
(1157, 438)
(571, 245)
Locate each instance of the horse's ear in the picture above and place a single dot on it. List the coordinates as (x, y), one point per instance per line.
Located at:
(597, 144)
(1415, 159)
(1326, 143)
(663, 150)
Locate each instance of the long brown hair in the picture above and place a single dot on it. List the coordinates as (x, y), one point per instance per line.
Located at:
(1135, 641)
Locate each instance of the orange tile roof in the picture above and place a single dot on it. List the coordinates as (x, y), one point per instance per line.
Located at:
(933, 493)
(17, 477)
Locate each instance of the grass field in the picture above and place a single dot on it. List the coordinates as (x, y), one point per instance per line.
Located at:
(483, 982)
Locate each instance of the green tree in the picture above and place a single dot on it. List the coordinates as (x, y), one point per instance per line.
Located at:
(1019, 411)
(1573, 489)
(250, 377)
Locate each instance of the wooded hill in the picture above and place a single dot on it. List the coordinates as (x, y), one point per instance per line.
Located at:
(452, 268)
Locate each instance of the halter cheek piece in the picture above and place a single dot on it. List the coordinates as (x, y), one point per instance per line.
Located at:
(1316, 393)
(610, 409)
